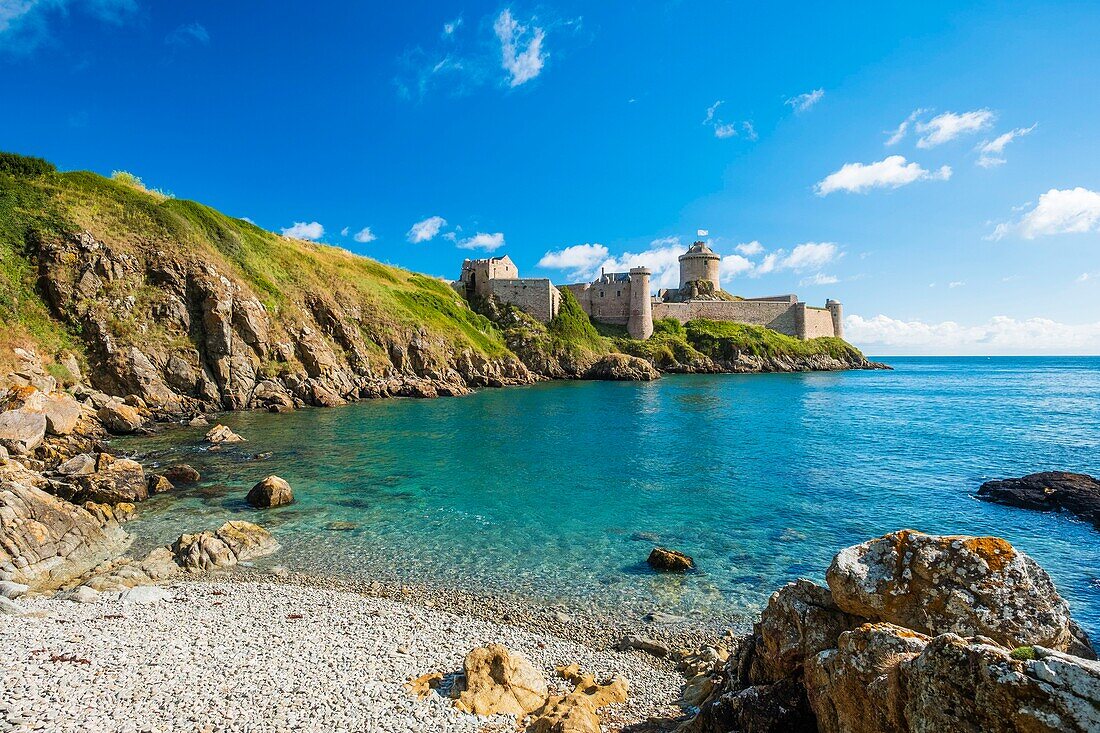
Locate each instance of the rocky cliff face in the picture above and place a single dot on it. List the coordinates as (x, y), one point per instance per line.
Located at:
(185, 335)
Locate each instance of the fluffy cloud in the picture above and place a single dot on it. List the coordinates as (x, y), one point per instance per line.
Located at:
(991, 152)
(364, 235)
(189, 34)
(520, 48)
(426, 230)
(1065, 211)
(1000, 335)
(732, 266)
(750, 248)
(723, 130)
(578, 260)
(662, 258)
(482, 241)
(803, 102)
(804, 257)
(890, 172)
(950, 125)
(301, 230)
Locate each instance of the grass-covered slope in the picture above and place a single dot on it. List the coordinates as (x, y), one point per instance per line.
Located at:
(39, 204)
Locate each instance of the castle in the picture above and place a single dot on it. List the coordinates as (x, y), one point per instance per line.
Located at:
(625, 298)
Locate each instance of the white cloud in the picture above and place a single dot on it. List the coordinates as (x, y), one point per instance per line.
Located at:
(345, 231)
(750, 248)
(991, 152)
(722, 129)
(903, 129)
(426, 230)
(1085, 277)
(950, 125)
(364, 235)
(1000, 335)
(732, 266)
(809, 256)
(803, 102)
(819, 279)
(450, 28)
(301, 230)
(1065, 211)
(483, 241)
(892, 172)
(578, 260)
(520, 48)
(661, 258)
(955, 284)
(188, 34)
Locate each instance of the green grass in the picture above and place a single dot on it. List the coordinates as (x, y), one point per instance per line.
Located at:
(38, 204)
(1023, 653)
(725, 341)
(572, 329)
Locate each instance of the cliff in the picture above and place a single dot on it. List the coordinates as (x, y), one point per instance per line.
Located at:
(168, 300)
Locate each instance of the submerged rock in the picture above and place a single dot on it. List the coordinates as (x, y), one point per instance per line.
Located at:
(221, 434)
(1076, 493)
(181, 474)
(670, 561)
(271, 492)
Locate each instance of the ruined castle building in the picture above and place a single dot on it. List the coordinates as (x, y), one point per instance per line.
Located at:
(499, 277)
(640, 322)
(700, 263)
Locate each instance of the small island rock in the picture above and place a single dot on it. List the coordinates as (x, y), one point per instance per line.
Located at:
(271, 492)
(181, 474)
(1048, 491)
(669, 561)
(221, 434)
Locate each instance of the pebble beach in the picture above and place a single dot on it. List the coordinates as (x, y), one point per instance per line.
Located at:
(250, 655)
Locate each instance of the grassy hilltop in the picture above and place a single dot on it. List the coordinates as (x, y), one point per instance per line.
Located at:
(365, 319)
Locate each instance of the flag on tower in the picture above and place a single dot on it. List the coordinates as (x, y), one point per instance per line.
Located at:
(702, 232)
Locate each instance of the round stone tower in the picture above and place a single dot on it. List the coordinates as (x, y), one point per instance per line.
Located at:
(640, 324)
(836, 310)
(700, 262)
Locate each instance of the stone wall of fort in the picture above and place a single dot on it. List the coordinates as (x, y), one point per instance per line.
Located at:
(817, 322)
(536, 296)
(776, 315)
(605, 302)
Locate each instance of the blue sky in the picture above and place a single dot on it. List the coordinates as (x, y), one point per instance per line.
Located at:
(573, 135)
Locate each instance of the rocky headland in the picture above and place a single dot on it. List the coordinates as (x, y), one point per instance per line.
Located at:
(1048, 491)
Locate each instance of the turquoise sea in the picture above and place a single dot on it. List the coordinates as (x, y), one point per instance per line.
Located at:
(558, 491)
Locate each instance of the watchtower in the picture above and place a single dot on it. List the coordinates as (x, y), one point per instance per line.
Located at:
(640, 323)
(700, 262)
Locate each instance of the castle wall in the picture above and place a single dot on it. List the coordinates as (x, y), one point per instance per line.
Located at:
(605, 302)
(699, 267)
(536, 296)
(778, 316)
(818, 322)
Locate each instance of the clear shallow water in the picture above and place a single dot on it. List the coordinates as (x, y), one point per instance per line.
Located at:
(543, 491)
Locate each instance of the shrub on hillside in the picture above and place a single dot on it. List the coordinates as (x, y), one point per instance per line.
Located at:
(25, 165)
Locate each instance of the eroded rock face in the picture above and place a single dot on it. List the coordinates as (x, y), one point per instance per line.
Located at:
(120, 418)
(622, 367)
(858, 687)
(115, 480)
(21, 430)
(578, 710)
(62, 414)
(964, 585)
(46, 542)
(271, 492)
(499, 680)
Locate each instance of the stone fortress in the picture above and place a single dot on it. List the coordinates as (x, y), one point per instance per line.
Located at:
(625, 298)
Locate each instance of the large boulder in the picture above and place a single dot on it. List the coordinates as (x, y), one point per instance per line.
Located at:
(45, 542)
(964, 585)
(120, 418)
(959, 684)
(21, 430)
(800, 620)
(62, 414)
(115, 480)
(858, 687)
(271, 492)
(1076, 493)
(498, 680)
(181, 474)
(230, 544)
(622, 367)
(221, 434)
(665, 560)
